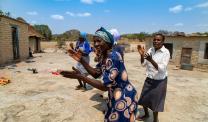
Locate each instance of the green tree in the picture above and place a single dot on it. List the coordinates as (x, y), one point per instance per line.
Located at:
(5, 13)
(164, 32)
(1, 12)
(206, 33)
(44, 30)
(21, 19)
(139, 36)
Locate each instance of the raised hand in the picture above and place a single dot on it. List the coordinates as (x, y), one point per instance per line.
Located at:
(75, 55)
(71, 45)
(148, 56)
(141, 50)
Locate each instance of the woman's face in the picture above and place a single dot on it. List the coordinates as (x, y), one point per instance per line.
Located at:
(100, 45)
(81, 39)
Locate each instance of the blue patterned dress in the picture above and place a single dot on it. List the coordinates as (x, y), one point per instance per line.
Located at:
(122, 96)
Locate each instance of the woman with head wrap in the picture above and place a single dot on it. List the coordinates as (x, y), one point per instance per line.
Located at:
(122, 96)
(83, 47)
(117, 47)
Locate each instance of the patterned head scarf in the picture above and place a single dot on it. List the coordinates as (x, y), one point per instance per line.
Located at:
(115, 34)
(105, 35)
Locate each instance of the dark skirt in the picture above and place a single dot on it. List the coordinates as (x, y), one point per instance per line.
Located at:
(153, 94)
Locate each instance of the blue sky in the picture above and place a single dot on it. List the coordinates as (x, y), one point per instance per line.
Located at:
(127, 16)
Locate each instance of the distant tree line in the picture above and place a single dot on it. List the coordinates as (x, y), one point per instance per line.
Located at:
(71, 35)
(44, 30)
(139, 36)
(202, 33)
(142, 35)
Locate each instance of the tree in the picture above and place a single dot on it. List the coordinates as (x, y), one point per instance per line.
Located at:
(1, 12)
(21, 19)
(164, 32)
(44, 30)
(177, 33)
(139, 36)
(201, 33)
(5, 13)
(206, 33)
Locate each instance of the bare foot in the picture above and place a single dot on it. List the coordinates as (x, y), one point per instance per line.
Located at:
(78, 87)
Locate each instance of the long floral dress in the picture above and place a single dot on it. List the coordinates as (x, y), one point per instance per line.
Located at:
(122, 96)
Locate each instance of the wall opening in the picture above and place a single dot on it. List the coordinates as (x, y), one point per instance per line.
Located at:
(15, 43)
(169, 46)
(186, 55)
(206, 51)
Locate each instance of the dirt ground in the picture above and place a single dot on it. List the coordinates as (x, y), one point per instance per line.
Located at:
(44, 97)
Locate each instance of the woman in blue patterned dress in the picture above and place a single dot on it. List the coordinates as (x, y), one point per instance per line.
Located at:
(122, 96)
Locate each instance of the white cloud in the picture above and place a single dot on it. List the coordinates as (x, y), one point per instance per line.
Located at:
(176, 9)
(70, 13)
(188, 9)
(92, 1)
(180, 8)
(179, 24)
(202, 5)
(107, 11)
(57, 17)
(85, 14)
(87, 1)
(32, 13)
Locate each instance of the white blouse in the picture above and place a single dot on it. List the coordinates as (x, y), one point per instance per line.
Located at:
(161, 57)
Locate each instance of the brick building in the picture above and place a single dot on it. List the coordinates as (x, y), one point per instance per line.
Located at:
(34, 39)
(14, 39)
(190, 49)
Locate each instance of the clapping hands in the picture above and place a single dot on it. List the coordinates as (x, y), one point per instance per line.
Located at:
(141, 50)
(143, 53)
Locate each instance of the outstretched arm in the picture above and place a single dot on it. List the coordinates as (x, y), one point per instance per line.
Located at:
(95, 72)
(95, 83)
(76, 75)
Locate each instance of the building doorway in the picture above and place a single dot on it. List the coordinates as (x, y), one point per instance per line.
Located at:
(37, 44)
(169, 46)
(186, 55)
(15, 43)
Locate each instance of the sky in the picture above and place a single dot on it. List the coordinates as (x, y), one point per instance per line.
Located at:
(127, 16)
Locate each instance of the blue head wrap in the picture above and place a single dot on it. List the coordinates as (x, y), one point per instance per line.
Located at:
(83, 35)
(105, 35)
